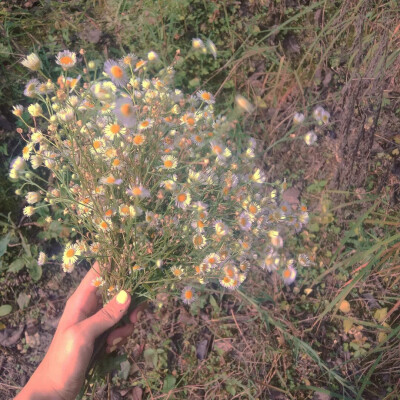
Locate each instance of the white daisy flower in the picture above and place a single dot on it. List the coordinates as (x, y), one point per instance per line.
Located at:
(298, 118)
(66, 58)
(71, 253)
(244, 221)
(289, 274)
(310, 138)
(188, 296)
(183, 199)
(117, 72)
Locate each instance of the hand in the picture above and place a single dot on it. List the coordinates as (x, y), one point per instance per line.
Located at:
(62, 371)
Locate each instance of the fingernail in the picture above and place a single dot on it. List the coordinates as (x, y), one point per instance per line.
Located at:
(116, 341)
(122, 297)
(139, 316)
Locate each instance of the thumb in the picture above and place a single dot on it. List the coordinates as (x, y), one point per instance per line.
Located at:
(106, 317)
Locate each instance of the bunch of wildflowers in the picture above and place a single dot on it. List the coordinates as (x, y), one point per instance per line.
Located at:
(149, 179)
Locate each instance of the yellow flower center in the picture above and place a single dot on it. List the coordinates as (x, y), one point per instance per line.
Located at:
(139, 139)
(116, 162)
(104, 225)
(188, 294)
(117, 72)
(190, 121)
(137, 191)
(97, 144)
(109, 213)
(182, 197)
(67, 60)
(206, 96)
(198, 240)
(217, 149)
(110, 179)
(286, 273)
(125, 209)
(144, 124)
(252, 209)
(70, 253)
(168, 164)
(230, 272)
(115, 128)
(126, 109)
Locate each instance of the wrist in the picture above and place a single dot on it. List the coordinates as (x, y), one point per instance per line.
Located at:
(39, 388)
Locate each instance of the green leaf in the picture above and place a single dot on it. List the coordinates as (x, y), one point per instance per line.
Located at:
(214, 304)
(380, 314)
(5, 309)
(23, 300)
(151, 357)
(169, 383)
(35, 270)
(313, 227)
(4, 243)
(230, 389)
(109, 363)
(125, 367)
(4, 51)
(347, 325)
(55, 226)
(16, 265)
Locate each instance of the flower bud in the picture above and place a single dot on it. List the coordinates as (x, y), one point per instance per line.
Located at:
(35, 110)
(32, 197)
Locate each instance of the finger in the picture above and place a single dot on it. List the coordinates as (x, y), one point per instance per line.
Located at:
(86, 289)
(120, 333)
(106, 317)
(84, 302)
(137, 314)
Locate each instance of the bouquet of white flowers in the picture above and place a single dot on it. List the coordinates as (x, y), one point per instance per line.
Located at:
(149, 179)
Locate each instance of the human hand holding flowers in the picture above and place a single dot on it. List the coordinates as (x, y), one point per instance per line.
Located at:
(61, 373)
